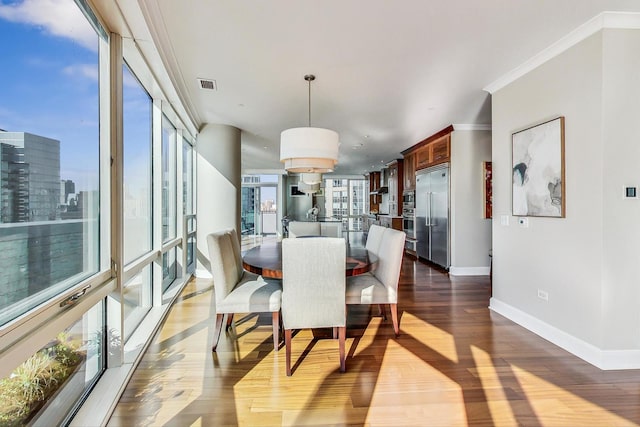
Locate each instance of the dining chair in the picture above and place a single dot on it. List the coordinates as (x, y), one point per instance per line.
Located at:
(237, 290)
(331, 229)
(381, 287)
(303, 228)
(313, 288)
(374, 238)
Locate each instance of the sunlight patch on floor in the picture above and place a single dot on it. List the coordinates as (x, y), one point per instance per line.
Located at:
(438, 340)
(499, 405)
(434, 400)
(554, 405)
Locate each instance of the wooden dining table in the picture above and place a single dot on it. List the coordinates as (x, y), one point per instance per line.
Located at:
(266, 260)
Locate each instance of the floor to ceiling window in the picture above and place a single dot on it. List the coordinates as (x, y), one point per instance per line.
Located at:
(345, 199)
(137, 196)
(169, 160)
(259, 205)
(83, 208)
(51, 253)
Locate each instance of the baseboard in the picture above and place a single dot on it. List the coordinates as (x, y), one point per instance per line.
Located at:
(603, 359)
(469, 271)
(203, 273)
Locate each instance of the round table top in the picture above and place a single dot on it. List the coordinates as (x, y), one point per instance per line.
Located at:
(266, 260)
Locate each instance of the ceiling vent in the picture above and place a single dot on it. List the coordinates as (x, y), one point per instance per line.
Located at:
(207, 84)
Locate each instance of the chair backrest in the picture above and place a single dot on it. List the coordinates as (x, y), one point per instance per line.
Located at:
(313, 282)
(302, 228)
(236, 251)
(331, 229)
(390, 258)
(224, 265)
(374, 238)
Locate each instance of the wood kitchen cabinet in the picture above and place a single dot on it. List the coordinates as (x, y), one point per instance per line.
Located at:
(410, 171)
(395, 185)
(432, 151)
(390, 222)
(374, 185)
(439, 150)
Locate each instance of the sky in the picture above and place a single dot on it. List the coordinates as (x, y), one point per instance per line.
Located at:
(49, 83)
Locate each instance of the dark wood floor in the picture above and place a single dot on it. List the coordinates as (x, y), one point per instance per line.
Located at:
(455, 364)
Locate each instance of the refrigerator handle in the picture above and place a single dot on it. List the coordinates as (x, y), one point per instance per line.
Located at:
(428, 214)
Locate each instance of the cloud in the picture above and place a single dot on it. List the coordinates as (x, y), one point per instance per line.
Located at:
(60, 18)
(82, 70)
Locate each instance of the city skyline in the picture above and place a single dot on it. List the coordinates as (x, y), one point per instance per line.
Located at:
(55, 81)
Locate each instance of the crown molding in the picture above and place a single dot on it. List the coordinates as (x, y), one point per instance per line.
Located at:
(471, 126)
(613, 20)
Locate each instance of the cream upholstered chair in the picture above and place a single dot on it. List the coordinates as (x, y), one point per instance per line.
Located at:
(313, 288)
(237, 290)
(302, 228)
(331, 229)
(374, 238)
(381, 287)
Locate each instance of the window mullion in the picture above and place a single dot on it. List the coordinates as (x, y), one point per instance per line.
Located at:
(157, 199)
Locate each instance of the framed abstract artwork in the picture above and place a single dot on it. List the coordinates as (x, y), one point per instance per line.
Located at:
(538, 187)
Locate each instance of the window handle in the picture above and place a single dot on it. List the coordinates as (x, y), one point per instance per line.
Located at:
(75, 297)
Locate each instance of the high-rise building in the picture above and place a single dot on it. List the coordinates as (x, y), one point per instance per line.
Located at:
(30, 177)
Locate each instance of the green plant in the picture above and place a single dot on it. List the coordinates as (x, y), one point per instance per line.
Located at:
(33, 382)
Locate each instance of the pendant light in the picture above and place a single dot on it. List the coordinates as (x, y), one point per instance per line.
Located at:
(309, 149)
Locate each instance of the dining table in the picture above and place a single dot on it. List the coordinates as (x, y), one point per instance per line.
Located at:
(266, 260)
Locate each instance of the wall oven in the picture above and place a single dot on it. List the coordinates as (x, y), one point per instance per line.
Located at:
(409, 199)
(409, 222)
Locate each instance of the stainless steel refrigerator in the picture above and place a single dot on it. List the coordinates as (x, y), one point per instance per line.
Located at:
(432, 214)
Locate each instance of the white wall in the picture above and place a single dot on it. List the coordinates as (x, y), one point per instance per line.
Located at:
(470, 231)
(219, 184)
(561, 256)
(621, 217)
(587, 262)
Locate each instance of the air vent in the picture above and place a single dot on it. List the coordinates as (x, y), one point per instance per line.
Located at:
(207, 84)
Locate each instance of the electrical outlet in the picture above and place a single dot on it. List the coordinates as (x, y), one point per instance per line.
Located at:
(543, 295)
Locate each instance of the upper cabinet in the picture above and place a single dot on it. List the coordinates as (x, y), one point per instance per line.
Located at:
(430, 152)
(410, 171)
(395, 183)
(374, 197)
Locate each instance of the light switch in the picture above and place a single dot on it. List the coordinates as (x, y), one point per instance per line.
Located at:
(630, 192)
(504, 220)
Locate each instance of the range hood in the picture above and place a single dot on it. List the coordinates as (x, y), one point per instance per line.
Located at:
(381, 190)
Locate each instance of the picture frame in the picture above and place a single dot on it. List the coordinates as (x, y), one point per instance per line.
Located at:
(538, 175)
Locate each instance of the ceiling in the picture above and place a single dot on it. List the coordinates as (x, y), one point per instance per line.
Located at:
(388, 73)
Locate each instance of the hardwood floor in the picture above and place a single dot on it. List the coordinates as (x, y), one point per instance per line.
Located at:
(454, 364)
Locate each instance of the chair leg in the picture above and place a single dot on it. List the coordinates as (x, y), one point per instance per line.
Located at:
(229, 320)
(394, 317)
(287, 345)
(382, 312)
(342, 333)
(275, 320)
(217, 328)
